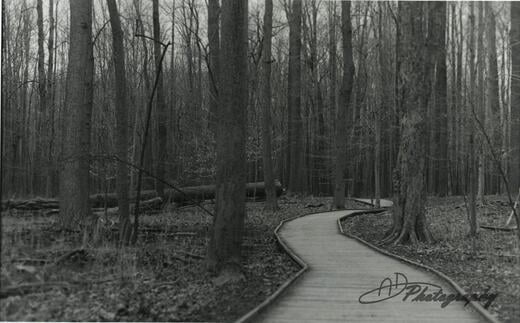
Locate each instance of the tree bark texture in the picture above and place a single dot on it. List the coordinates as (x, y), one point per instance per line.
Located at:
(416, 70)
(343, 108)
(121, 122)
(75, 159)
(160, 105)
(515, 98)
(295, 135)
(226, 238)
(214, 52)
(266, 108)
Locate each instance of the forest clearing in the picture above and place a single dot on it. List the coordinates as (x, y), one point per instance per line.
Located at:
(260, 160)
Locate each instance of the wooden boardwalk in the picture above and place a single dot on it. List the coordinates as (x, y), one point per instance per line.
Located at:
(340, 270)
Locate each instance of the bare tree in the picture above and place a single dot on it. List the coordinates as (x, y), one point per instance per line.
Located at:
(42, 80)
(75, 159)
(414, 47)
(270, 189)
(226, 238)
(440, 104)
(332, 67)
(42, 88)
(472, 167)
(341, 122)
(515, 97)
(118, 54)
(480, 106)
(162, 151)
(295, 136)
(214, 49)
(50, 102)
(493, 98)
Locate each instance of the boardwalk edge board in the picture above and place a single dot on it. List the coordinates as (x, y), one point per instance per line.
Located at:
(481, 310)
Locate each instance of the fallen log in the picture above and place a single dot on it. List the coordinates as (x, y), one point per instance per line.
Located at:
(37, 203)
(101, 200)
(24, 289)
(144, 207)
(197, 193)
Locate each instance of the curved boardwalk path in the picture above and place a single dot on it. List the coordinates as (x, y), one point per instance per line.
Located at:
(340, 270)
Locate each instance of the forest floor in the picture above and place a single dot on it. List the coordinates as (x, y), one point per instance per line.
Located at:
(493, 262)
(45, 277)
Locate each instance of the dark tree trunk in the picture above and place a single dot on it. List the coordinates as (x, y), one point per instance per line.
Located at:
(226, 237)
(42, 88)
(74, 179)
(295, 137)
(493, 97)
(122, 122)
(266, 105)
(162, 151)
(472, 165)
(333, 96)
(414, 47)
(380, 108)
(147, 87)
(460, 104)
(341, 122)
(514, 174)
(440, 165)
(480, 105)
(214, 67)
(50, 189)
(452, 115)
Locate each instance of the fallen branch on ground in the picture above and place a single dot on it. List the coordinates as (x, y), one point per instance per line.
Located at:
(25, 289)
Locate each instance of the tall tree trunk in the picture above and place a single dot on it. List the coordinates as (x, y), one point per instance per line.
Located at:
(50, 102)
(416, 74)
(452, 115)
(472, 167)
(175, 129)
(380, 108)
(295, 138)
(40, 141)
(493, 97)
(214, 49)
(6, 106)
(514, 173)
(198, 95)
(42, 88)
(460, 101)
(396, 214)
(74, 179)
(162, 151)
(332, 70)
(345, 92)
(266, 105)
(21, 144)
(226, 237)
(147, 86)
(121, 122)
(440, 169)
(480, 106)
